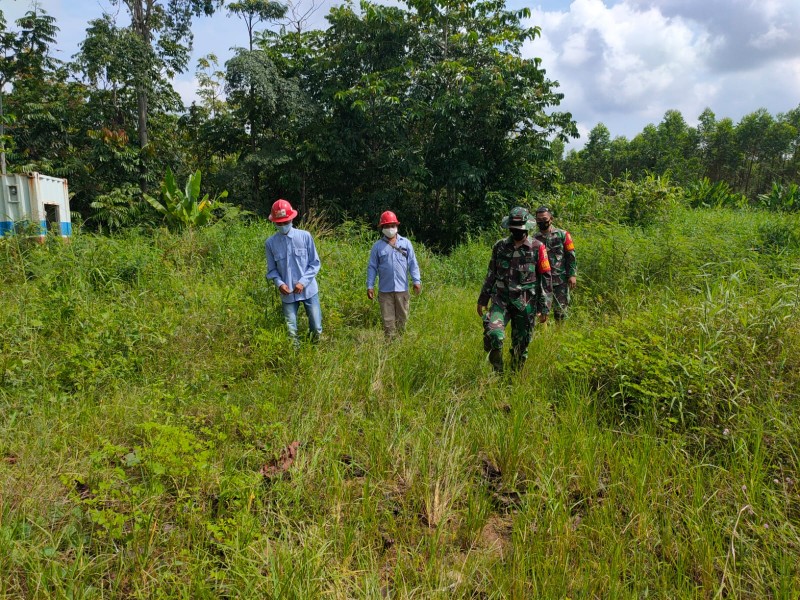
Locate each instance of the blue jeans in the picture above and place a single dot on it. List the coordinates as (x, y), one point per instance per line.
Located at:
(313, 312)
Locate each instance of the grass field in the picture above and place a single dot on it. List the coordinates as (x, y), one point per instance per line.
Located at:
(649, 449)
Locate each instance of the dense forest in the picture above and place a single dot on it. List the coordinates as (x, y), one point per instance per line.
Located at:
(428, 108)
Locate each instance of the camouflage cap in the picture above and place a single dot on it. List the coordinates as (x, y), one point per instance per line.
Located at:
(518, 218)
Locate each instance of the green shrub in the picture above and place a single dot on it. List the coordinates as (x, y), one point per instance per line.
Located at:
(785, 197)
(578, 203)
(642, 203)
(184, 209)
(121, 208)
(648, 201)
(705, 194)
(777, 237)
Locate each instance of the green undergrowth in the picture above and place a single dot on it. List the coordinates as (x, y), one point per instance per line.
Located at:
(648, 449)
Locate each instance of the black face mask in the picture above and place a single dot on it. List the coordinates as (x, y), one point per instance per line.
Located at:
(518, 234)
(543, 225)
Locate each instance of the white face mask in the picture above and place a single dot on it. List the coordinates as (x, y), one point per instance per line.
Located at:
(284, 229)
(389, 232)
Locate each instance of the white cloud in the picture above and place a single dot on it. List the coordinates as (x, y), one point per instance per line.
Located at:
(626, 64)
(575, 51)
(772, 38)
(747, 33)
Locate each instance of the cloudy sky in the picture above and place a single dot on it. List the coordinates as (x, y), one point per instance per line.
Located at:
(619, 62)
(624, 63)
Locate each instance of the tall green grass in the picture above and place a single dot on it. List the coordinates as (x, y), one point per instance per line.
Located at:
(649, 448)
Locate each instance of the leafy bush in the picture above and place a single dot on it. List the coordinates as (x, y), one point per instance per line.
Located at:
(705, 194)
(688, 362)
(781, 197)
(577, 203)
(638, 371)
(648, 201)
(466, 265)
(120, 208)
(184, 209)
(642, 203)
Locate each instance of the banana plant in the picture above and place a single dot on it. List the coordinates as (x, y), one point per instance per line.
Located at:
(184, 209)
(781, 197)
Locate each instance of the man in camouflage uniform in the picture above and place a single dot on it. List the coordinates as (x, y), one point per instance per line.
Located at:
(563, 263)
(519, 285)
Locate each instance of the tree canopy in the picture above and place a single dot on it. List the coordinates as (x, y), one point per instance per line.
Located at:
(430, 108)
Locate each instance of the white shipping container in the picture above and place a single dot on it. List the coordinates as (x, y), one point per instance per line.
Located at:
(37, 199)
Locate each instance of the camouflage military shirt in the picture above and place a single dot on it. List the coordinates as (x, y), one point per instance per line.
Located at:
(561, 252)
(518, 277)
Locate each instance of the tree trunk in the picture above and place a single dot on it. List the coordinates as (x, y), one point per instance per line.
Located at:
(747, 177)
(140, 17)
(141, 99)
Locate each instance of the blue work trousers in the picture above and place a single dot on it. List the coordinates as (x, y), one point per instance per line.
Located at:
(313, 312)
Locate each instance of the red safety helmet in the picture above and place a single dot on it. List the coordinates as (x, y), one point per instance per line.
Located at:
(282, 212)
(388, 218)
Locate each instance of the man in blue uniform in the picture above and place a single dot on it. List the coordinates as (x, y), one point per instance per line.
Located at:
(391, 259)
(292, 265)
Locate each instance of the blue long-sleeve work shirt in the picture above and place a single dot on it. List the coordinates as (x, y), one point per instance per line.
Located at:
(293, 258)
(391, 265)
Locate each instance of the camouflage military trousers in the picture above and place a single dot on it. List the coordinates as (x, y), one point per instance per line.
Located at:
(560, 301)
(494, 329)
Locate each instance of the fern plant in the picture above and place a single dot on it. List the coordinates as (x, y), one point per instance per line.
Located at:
(118, 209)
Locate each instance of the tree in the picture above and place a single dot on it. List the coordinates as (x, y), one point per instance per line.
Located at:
(210, 84)
(40, 100)
(109, 64)
(163, 30)
(484, 113)
(721, 155)
(430, 109)
(791, 170)
(263, 105)
(678, 154)
(596, 155)
(777, 148)
(751, 137)
(253, 12)
(6, 47)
